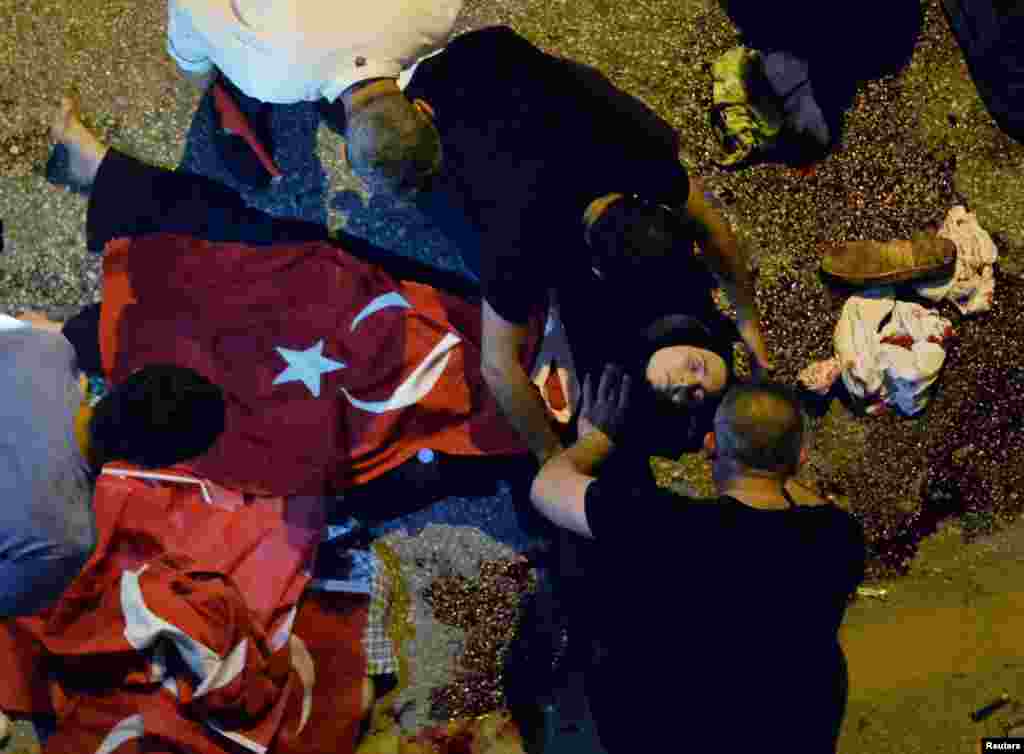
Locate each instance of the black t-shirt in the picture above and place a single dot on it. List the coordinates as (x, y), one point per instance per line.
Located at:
(529, 141)
(719, 620)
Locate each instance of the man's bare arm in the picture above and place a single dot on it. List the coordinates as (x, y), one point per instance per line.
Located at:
(520, 402)
(559, 491)
(726, 259)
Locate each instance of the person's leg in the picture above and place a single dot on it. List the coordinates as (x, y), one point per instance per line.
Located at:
(37, 578)
(416, 484)
(83, 332)
(129, 198)
(333, 113)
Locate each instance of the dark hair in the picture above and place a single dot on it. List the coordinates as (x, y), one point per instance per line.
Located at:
(671, 429)
(713, 332)
(633, 233)
(159, 416)
(761, 425)
(393, 146)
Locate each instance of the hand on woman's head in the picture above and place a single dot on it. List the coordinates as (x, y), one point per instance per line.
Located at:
(605, 402)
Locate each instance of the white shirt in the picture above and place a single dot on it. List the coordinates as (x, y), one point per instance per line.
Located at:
(287, 51)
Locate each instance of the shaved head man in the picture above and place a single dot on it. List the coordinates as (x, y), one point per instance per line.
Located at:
(758, 439)
(745, 590)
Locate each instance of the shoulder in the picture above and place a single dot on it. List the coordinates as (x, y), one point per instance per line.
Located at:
(635, 495)
(500, 42)
(502, 35)
(806, 497)
(490, 59)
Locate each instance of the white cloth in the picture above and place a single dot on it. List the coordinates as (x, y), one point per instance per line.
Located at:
(973, 285)
(7, 322)
(891, 365)
(287, 51)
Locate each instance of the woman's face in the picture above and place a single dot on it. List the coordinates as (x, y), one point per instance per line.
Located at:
(686, 375)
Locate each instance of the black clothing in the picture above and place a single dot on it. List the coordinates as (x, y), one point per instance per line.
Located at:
(83, 332)
(529, 141)
(736, 609)
(130, 198)
(991, 34)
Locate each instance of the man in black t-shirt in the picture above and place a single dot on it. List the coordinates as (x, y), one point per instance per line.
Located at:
(553, 179)
(718, 618)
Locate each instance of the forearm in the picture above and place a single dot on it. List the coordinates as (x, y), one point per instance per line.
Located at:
(524, 408)
(726, 258)
(559, 491)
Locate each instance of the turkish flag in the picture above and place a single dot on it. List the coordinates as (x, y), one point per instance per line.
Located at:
(188, 630)
(334, 372)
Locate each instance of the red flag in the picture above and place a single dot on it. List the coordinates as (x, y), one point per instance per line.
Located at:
(334, 372)
(184, 631)
(232, 117)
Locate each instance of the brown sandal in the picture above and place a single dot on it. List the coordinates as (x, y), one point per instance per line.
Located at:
(869, 263)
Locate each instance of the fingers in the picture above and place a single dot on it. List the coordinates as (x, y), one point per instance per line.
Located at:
(611, 380)
(624, 389)
(588, 395)
(604, 389)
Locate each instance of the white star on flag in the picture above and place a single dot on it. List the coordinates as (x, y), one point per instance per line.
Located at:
(307, 366)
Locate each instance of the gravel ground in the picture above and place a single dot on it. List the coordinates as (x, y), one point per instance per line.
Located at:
(914, 141)
(438, 555)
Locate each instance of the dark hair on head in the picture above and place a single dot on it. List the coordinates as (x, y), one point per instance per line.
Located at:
(631, 233)
(672, 429)
(393, 146)
(159, 416)
(714, 332)
(761, 425)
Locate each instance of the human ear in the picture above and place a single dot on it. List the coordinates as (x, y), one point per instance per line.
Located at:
(709, 445)
(424, 108)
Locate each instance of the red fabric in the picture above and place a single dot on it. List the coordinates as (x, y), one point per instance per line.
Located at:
(224, 309)
(227, 575)
(332, 625)
(24, 690)
(553, 390)
(232, 118)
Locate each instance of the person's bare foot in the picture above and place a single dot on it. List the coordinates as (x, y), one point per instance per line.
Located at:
(85, 151)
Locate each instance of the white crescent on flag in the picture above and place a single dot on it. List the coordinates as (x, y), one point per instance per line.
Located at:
(418, 384)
